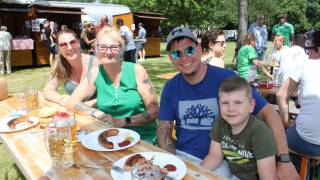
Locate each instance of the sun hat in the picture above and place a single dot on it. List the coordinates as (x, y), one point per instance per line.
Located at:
(180, 32)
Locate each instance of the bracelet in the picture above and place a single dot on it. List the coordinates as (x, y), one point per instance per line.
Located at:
(92, 112)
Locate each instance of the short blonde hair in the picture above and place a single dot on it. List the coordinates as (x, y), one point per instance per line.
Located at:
(113, 34)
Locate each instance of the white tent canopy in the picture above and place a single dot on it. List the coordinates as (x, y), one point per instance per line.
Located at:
(93, 11)
(87, 19)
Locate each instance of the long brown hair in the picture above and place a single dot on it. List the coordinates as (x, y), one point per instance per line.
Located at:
(61, 67)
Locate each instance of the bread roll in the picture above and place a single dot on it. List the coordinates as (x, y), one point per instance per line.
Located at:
(47, 111)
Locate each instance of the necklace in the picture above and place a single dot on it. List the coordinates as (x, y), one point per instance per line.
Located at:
(116, 85)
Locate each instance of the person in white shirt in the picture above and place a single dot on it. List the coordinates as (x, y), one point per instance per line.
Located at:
(130, 53)
(289, 60)
(5, 47)
(304, 136)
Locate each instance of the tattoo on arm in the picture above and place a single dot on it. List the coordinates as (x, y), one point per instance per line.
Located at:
(164, 134)
(140, 118)
(150, 114)
(84, 108)
(146, 81)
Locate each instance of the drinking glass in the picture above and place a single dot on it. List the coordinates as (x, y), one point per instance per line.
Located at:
(58, 142)
(66, 116)
(144, 172)
(32, 99)
(29, 100)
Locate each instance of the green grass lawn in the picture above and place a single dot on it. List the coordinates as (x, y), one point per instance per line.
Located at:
(37, 77)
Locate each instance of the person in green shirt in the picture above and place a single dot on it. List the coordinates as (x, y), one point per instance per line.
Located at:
(285, 29)
(244, 140)
(247, 59)
(125, 94)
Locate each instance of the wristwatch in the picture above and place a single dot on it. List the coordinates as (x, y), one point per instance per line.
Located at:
(285, 158)
(128, 120)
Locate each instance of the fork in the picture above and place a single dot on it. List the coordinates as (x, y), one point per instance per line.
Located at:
(118, 169)
(121, 171)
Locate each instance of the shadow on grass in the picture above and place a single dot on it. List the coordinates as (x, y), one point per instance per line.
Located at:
(8, 169)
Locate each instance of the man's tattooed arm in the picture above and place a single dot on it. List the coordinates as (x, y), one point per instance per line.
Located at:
(164, 136)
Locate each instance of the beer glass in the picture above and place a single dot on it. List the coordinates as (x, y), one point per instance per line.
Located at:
(58, 142)
(66, 116)
(32, 99)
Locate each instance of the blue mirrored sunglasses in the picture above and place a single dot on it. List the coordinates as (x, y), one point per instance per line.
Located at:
(188, 51)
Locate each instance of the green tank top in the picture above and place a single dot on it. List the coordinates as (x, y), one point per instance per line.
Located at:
(123, 101)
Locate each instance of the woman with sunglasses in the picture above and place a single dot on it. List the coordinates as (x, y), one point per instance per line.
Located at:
(69, 69)
(125, 95)
(213, 44)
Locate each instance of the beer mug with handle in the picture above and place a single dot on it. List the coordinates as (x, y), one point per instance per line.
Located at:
(59, 144)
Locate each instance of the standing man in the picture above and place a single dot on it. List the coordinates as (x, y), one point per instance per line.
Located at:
(5, 47)
(285, 29)
(190, 99)
(142, 43)
(259, 29)
(104, 21)
(126, 34)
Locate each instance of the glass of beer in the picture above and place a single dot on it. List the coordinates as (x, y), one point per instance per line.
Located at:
(32, 99)
(58, 143)
(67, 116)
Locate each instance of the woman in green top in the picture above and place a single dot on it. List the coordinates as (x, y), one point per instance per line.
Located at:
(248, 58)
(125, 95)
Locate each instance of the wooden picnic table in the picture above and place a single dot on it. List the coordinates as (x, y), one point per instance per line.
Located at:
(27, 148)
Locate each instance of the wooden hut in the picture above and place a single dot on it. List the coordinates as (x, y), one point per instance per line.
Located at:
(151, 22)
(131, 19)
(23, 20)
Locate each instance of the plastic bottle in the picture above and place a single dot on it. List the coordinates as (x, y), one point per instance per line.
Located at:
(252, 74)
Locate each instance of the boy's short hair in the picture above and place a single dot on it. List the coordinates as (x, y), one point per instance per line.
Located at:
(236, 83)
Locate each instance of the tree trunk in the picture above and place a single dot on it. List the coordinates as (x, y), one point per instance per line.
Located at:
(242, 19)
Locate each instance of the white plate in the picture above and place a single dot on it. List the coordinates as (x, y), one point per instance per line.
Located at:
(160, 159)
(90, 141)
(4, 128)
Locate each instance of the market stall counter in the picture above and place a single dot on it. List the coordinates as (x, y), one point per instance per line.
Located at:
(21, 52)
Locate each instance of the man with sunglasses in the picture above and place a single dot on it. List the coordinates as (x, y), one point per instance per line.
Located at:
(190, 100)
(285, 29)
(260, 31)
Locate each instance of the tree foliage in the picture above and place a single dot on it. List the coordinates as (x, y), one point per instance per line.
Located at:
(223, 14)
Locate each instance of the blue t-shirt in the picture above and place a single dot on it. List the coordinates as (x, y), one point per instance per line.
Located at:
(195, 109)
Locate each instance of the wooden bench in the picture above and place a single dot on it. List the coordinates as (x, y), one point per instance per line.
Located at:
(305, 159)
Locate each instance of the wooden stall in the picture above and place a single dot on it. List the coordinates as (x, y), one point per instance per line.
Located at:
(14, 16)
(22, 21)
(151, 22)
